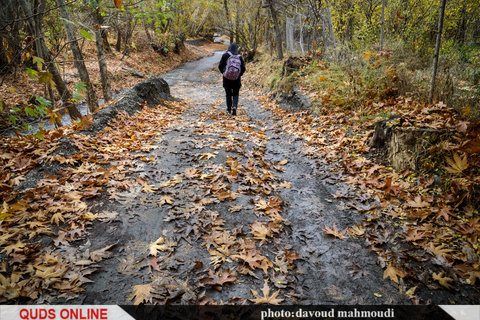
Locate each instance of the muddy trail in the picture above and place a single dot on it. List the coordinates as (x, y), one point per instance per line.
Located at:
(233, 205)
(199, 207)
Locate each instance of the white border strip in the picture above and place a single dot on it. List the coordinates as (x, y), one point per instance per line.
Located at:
(462, 312)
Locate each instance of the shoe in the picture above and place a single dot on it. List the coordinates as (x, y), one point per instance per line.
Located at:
(229, 110)
(234, 112)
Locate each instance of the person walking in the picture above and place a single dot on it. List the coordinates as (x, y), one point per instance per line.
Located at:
(232, 67)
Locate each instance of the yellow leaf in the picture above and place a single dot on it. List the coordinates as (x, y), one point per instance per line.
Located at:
(457, 164)
(90, 216)
(206, 156)
(156, 246)
(411, 292)
(142, 293)
(56, 218)
(356, 231)
(161, 244)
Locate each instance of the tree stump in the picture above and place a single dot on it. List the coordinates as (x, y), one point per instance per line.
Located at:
(403, 148)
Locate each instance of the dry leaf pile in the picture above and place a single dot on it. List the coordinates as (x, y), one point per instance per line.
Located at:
(56, 211)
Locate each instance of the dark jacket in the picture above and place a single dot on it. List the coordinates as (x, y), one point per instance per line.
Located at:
(223, 64)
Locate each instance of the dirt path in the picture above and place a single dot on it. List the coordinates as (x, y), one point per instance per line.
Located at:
(229, 204)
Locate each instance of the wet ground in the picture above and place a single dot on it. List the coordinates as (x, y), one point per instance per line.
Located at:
(239, 198)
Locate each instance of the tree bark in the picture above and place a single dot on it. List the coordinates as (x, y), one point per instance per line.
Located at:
(276, 28)
(118, 45)
(78, 56)
(103, 66)
(99, 42)
(383, 24)
(237, 22)
(327, 18)
(44, 53)
(229, 20)
(4, 65)
(437, 50)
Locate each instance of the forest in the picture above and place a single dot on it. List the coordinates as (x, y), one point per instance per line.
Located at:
(350, 176)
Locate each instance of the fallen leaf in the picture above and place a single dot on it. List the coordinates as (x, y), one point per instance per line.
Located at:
(444, 281)
(267, 298)
(100, 254)
(393, 273)
(335, 232)
(141, 293)
(457, 164)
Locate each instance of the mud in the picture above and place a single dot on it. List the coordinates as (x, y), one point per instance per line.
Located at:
(327, 271)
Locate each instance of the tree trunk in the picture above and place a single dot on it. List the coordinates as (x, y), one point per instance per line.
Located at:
(4, 65)
(437, 50)
(276, 28)
(383, 24)
(103, 66)
(44, 53)
(118, 45)
(98, 18)
(229, 20)
(128, 34)
(10, 48)
(237, 22)
(78, 56)
(147, 32)
(327, 18)
(99, 42)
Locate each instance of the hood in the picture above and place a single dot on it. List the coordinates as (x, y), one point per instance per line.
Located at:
(233, 48)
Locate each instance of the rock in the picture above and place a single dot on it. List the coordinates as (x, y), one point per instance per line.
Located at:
(133, 72)
(152, 91)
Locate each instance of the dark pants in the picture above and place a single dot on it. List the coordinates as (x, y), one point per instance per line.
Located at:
(232, 97)
(232, 90)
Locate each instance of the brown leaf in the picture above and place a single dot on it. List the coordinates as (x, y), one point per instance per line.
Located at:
(267, 298)
(335, 232)
(219, 278)
(118, 3)
(235, 208)
(290, 255)
(260, 231)
(393, 273)
(100, 254)
(444, 281)
(418, 203)
(251, 257)
(153, 264)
